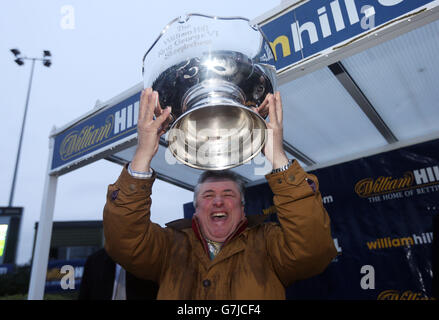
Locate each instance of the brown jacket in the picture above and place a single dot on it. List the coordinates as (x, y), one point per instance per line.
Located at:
(258, 262)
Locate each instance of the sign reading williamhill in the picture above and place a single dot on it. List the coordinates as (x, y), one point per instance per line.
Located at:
(317, 25)
(97, 132)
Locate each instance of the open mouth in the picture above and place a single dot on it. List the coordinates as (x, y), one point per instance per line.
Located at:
(219, 216)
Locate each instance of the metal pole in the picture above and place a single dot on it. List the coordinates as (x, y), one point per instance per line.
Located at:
(11, 197)
(40, 258)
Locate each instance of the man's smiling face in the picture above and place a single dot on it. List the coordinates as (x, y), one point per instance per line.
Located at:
(219, 209)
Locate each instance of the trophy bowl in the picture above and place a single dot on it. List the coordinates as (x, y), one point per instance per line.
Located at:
(212, 71)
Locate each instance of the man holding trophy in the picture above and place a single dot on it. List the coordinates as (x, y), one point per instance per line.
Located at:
(220, 253)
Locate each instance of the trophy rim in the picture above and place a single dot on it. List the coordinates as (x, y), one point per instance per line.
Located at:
(255, 27)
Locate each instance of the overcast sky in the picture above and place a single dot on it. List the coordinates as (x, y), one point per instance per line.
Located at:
(97, 48)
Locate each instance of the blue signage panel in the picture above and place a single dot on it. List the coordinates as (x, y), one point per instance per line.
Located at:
(382, 209)
(96, 132)
(321, 24)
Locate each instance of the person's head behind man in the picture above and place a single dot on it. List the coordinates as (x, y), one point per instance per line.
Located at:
(219, 204)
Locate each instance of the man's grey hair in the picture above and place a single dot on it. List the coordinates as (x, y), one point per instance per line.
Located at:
(219, 176)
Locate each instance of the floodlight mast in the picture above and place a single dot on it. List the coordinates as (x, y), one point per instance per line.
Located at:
(20, 61)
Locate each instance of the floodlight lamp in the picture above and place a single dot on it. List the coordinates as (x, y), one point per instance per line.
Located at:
(16, 52)
(47, 62)
(19, 61)
(47, 53)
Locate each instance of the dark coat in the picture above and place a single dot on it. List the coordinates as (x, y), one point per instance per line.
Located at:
(98, 280)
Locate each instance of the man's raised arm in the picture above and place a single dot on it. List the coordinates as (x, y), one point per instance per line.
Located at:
(131, 239)
(302, 245)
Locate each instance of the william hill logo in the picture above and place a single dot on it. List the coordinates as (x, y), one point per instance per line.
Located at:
(89, 137)
(370, 187)
(79, 141)
(321, 24)
(402, 295)
(387, 242)
(421, 179)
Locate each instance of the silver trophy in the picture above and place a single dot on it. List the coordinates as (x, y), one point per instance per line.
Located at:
(212, 71)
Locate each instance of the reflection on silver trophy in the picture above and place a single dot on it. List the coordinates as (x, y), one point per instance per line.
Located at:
(212, 71)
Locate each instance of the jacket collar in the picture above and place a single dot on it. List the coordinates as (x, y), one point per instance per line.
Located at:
(249, 221)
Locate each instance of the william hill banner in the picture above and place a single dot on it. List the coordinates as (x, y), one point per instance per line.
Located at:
(96, 133)
(381, 209)
(316, 25)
